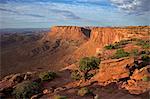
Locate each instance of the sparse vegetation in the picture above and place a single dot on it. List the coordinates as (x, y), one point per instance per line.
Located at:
(60, 97)
(89, 63)
(117, 45)
(76, 75)
(84, 91)
(88, 75)
(146, 46)
(26, 89)
(110, 46)
(146, 58)
(144, 43)
(120, 53)
(45, 76)
(134, 39)
(145, 78)
(134, 52)
(122, 42)
(147, 52)
(86, 64)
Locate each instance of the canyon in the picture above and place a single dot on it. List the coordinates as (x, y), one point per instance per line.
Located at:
(64, 45)
(61, 49)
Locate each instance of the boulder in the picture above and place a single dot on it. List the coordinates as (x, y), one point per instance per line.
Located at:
(59, 89)
(47, 91)
(28, 75)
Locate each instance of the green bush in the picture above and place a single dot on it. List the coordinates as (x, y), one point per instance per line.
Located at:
(144, 43)
(89, 63)
(145, 52)
(26, 89)
(146, 46)
(110, 46)
(88, 75)
(45, 76)
(134, 52)
(84, 91)
(117, 45)
(76, 75)
(60, 97)
(122, 42)
(146, 58)
(134, 39)
(145, 78)
(120, 53)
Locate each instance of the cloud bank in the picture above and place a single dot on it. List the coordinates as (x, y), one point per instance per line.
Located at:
(133, 6)
(45, 13)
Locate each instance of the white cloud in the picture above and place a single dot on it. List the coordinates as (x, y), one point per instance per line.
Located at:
(133, 6)
(14, 14)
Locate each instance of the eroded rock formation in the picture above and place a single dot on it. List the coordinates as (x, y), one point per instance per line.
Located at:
(114, 70)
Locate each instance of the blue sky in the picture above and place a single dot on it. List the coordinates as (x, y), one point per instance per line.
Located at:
(46, 13)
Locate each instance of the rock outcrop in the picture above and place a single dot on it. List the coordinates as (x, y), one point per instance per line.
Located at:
(108, 35)
(123, 72)
(139, 82)
(114, 70)
(68, 33)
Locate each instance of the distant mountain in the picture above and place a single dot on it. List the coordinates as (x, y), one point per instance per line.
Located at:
(24, 30)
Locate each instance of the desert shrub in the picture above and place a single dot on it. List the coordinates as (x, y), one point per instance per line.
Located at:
(110, 46)
(145, 78)
(122, 42)
(140, 42)
(26, 89)
(146, 46)
(134, 52)
(134, 39)
(45, 76)
(88, 75)
(89, 63)
(76, 75)
(145, 52)
(120, 53)
(117, 45)
(144, 43)
(60, 97)
(84, 91)
(145, 58)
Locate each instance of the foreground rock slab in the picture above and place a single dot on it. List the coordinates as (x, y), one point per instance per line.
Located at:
(139, 82)
(113, 70)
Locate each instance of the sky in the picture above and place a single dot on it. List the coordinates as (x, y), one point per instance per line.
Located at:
(47, 13)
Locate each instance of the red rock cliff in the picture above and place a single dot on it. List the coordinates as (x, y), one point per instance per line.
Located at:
(103, 36)
(68, 32)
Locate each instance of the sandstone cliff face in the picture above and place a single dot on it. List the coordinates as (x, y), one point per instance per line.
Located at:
(99, 36)
(103, 36)
(106, 35)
